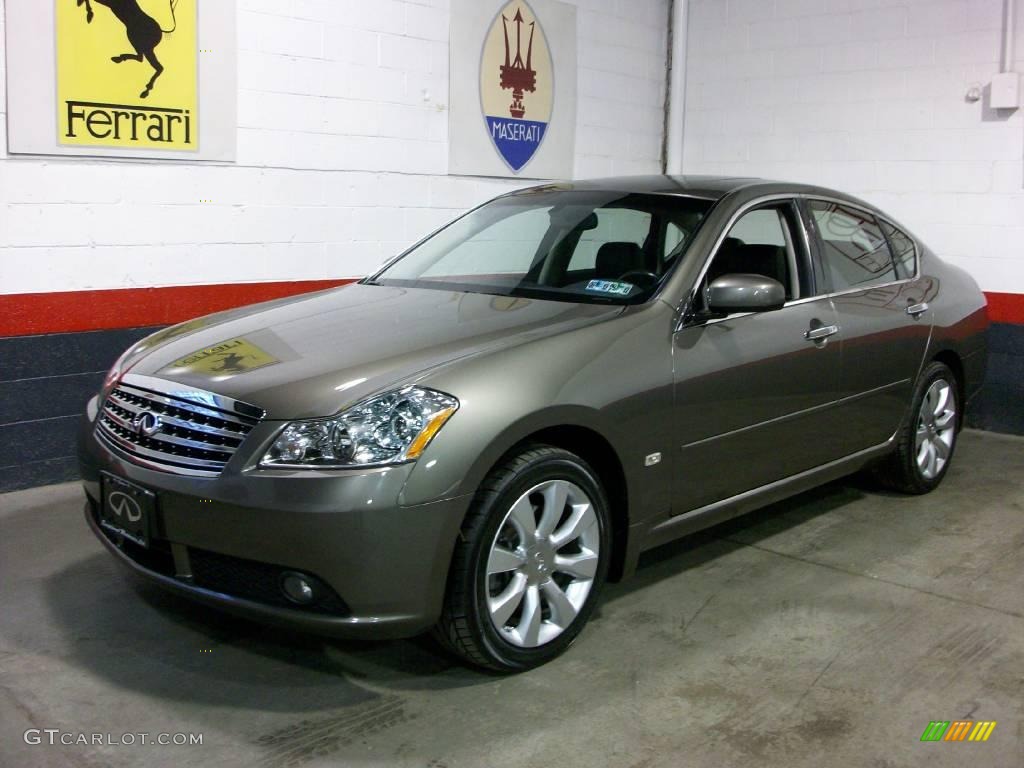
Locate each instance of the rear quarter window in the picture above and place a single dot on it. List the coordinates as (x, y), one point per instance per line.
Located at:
(904, 251)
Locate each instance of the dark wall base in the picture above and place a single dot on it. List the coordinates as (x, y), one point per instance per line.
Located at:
(999, 406)
(46, 380)
(37, 473)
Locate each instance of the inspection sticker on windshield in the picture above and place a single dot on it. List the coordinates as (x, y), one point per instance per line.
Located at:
(610, 286)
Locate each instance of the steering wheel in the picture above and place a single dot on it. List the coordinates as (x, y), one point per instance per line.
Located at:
(641, 277)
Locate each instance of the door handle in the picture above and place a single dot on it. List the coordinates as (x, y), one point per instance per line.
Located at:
(916, 310)
(821, 332)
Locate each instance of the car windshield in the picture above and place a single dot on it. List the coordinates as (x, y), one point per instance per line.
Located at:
(581, 246)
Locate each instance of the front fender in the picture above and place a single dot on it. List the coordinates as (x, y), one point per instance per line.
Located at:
(459, 459)
(613, 378)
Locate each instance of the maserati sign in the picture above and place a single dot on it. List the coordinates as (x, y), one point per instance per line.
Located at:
(516, 58)
(513, 88)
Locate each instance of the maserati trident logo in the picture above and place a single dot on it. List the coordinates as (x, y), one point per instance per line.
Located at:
(516, 58)
(146, 424)
(123, 505)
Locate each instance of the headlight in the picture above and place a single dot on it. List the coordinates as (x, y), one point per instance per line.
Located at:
(387, 429)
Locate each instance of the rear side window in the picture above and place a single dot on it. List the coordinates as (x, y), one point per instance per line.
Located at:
(856, 253)
(904, 252)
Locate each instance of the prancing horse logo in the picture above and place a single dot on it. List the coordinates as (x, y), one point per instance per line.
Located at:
(144, 33)
(123, 505)
(146, 424)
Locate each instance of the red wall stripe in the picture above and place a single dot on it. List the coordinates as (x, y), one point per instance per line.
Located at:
(24, 314)
(1005, 307)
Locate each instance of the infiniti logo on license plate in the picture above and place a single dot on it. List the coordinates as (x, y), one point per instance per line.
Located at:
(123, 505)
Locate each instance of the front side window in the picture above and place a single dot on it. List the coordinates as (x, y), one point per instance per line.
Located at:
(760, 243)
(855, 251)
(591, 247)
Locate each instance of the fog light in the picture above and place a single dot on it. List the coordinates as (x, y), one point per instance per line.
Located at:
(297, 588)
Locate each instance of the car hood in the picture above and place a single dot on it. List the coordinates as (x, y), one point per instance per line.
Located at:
(313, 355)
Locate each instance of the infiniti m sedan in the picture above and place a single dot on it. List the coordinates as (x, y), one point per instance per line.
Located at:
(476, 437)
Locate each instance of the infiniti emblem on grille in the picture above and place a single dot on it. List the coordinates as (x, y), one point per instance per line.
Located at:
(147, 424)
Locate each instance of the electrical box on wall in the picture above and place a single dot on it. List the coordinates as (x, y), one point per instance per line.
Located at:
(1005, 92)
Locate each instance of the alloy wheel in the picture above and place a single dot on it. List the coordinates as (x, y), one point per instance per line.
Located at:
(936, 429)
(542, 563)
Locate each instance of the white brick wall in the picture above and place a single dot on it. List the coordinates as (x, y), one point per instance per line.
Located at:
(867, 96)
(342, 153)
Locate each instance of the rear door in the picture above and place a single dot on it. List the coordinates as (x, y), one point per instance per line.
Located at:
(755, 392)
(882, 311)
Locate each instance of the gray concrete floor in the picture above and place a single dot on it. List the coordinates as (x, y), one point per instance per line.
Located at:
(826, 630)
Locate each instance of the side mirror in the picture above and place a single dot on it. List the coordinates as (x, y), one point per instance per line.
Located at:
(744, 293)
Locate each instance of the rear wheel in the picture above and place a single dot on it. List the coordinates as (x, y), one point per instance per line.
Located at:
(927, 440)
(529, 565)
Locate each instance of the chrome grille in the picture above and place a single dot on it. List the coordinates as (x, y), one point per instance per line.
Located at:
(198, 431)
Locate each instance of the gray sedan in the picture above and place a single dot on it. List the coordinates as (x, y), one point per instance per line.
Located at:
(477, 436)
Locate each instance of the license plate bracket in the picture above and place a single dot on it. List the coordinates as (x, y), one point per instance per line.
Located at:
(127, 509)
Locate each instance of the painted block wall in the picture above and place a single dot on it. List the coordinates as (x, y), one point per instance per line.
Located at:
(342, 162)
(868, 96)
(342, 154)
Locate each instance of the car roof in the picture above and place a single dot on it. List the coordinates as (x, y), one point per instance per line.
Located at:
(706, 187)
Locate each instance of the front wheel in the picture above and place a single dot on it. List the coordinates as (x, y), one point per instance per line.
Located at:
(530, 562)
(927, 440)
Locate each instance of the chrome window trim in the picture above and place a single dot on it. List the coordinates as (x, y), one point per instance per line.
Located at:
(791, 260)
(743, 209)
(746, 207)
(882, 217)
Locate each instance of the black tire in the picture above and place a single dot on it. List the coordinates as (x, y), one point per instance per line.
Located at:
(465, 626)
(900, 470)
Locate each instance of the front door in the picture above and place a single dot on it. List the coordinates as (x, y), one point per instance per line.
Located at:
(754, 395)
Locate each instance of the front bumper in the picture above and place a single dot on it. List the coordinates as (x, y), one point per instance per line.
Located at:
(225, 540)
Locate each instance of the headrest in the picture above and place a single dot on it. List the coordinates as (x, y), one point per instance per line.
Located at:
(738, 258)
(764, 260)
(616, 259)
